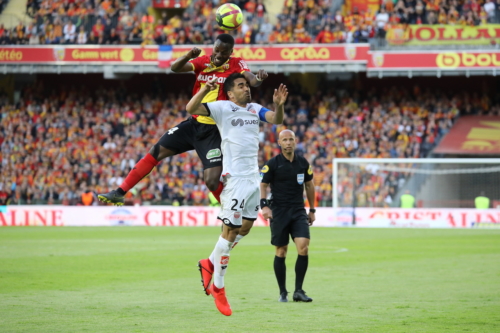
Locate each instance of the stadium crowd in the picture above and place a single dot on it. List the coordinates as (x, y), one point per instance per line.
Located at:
(115, 22)
(61, 146)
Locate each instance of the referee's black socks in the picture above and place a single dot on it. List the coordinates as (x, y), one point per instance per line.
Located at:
(300, 271)
(280, 271)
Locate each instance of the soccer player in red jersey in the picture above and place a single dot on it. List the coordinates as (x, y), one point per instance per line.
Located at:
(197, 132)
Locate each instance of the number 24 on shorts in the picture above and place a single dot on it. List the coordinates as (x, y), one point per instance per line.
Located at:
(242, 205)
(172, 130)
(236, 203)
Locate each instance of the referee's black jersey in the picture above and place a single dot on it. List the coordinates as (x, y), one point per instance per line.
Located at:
(287, 179)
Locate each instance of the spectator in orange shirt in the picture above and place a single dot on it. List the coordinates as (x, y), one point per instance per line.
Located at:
(198, 197)
(284, 36)
(71, 10)
(58, 29)
(443, 17)
(304, 38)
(250, 6)
(325, 36)
(338, 35)
(273, 36)
(97, 28)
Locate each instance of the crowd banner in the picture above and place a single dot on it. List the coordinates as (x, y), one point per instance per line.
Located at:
(472, 135)
(417, 218)
(422, 34)
(293, 53)
(133, 55)
(190, 216)
(433, 60)
(153, 216)
(78, 54)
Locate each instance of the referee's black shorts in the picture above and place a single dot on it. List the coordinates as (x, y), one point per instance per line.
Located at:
(286, 222)
(191, 134)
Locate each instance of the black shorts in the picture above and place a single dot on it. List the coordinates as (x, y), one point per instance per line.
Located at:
(288, 221)
(189, 135)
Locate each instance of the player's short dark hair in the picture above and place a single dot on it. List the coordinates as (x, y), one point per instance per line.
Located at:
(226, 38)
(229, 83)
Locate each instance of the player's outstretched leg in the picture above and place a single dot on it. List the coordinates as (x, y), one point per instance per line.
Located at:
(179, 137)
(140, 170)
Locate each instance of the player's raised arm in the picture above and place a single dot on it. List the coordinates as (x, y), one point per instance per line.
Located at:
(181, 65)
(255, 80)
(194, 106)
(279, 99)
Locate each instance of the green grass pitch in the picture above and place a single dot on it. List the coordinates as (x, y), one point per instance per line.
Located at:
(133, 279)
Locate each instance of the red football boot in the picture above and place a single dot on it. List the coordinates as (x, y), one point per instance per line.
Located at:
(206, 270)
(220, 300)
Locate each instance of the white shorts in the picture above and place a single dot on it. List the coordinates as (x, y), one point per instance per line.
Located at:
(240, 199)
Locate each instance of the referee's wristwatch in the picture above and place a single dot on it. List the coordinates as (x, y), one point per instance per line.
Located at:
(312, 210)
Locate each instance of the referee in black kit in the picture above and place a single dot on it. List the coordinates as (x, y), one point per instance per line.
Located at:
(287, 173)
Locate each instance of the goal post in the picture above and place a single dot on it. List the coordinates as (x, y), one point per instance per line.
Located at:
(433, 182)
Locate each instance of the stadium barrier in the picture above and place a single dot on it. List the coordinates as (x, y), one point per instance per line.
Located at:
(298, 58)
(133, 55)
(425, 34)
(417, 218)
(207, 216)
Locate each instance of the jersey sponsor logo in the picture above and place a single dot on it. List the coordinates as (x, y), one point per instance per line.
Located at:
(206, 78)
(214, 153)
(224, 260)
(265, 169)
(236, 122)
(241, 122)
(300, 178)
(310, 171)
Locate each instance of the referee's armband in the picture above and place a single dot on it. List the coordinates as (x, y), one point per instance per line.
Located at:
(264, 203)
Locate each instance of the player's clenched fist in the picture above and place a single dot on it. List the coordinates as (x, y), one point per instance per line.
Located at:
(194, 53)
(211, 84)
(280, 95)
(262, 75)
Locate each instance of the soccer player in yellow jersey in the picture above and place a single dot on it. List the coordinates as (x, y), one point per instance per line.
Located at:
(197, 132)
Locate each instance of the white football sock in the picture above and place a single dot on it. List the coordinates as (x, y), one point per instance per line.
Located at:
(212, 255)
(221, 260)
(238, 238)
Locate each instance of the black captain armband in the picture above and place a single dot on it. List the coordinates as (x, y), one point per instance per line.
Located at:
(264, 203)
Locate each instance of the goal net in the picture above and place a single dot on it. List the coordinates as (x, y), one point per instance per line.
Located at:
(434, 183)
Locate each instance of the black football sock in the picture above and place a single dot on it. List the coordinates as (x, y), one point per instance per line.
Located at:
(120, 191)
(300, 271)
(280, 271)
